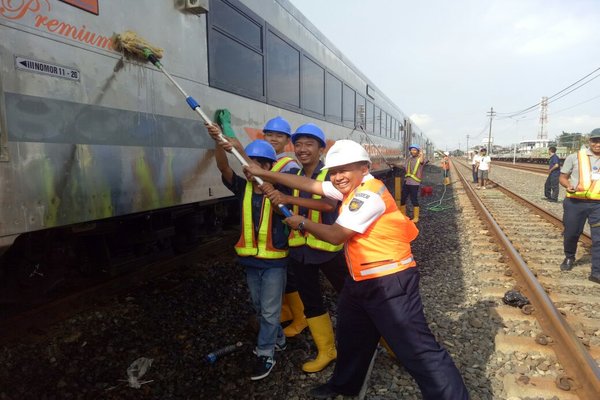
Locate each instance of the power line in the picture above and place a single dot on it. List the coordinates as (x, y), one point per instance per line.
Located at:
(576, 105)
(515, 113)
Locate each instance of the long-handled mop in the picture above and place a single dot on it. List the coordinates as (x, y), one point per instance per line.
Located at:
(129, 42)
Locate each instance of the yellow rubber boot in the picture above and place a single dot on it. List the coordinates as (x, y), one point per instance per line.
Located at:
(403, 209)
(299, 320)
(415, 214)
(322, 333)
(286, 312)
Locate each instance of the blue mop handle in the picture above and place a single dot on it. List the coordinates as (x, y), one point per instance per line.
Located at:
(196, 107)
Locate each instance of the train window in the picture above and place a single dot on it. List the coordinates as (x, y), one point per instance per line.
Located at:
(235, 67)
(235, 41)
(236, 23)
(348, 106)
(383, 123)
(369, 127)
(313, 87)
(377, 121)
(389, 126)
(333, 98)
(394, 128)
(283, 72)
(361, 111)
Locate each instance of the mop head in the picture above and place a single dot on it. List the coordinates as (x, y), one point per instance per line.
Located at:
(130, 43)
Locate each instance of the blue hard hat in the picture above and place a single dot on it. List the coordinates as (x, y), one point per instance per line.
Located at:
(414, 146)
(279, 125)
(312, 130)
(261, 148)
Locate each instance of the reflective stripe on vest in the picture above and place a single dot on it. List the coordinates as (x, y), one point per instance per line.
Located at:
(247, 245)
(587, 189)
(282, 162)
(413, 174)
(297, 239)
(384, 248)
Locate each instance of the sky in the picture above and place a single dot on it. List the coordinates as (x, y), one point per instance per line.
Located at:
(446, 63)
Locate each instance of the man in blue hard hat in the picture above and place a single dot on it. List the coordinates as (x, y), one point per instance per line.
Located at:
(412, 181)
(264, 256)
(308, 254)
(278, 132)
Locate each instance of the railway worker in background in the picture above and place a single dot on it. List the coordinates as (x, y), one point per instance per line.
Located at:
(446, 168)
(474, 163)
(551, 185)
(580, 175)
(412, 180)
(381, 298)
(309, 254)
(277, 132)
(262, 248)
(483, 168)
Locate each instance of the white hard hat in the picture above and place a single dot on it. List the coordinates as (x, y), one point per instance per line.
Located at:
(345, 152)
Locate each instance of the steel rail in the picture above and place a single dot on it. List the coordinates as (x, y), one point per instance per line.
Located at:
(573, 356)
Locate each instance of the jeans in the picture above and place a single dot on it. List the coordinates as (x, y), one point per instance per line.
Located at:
(266, 290)
(475, 177)
(551, 187)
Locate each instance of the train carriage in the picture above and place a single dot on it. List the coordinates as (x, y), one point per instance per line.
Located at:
(99, 152)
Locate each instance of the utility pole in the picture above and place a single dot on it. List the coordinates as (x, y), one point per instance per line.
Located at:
(467, 153)
(490, 114)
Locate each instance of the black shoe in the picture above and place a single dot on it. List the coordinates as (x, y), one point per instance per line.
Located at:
(323, 392)
(262, 368)
(567, 264)
(594, 278)
(553, 200)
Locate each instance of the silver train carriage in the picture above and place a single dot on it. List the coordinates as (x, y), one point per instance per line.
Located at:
(96, 147)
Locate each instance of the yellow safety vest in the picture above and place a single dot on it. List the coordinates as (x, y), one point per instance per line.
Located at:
(413, 174)
(247, 245)
(297, 239)
(587, 188)
(282, 162)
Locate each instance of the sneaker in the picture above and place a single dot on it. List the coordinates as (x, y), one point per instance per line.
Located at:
(262, 367)
(483, 187)
(277, 348)
(478, 187)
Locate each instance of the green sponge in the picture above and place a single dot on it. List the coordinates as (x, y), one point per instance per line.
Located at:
(224, 119)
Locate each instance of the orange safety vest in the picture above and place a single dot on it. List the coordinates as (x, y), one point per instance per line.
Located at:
(413, 174)
(446, 163)
(248, 245)
(297, 239)
(587, 189)
(384, 248)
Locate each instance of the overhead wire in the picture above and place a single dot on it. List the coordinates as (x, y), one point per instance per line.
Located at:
(530, 108)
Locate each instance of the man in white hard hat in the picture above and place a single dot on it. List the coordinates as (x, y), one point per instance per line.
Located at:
(381, 297)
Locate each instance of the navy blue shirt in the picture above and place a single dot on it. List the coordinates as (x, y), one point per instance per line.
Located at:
(280, 231)
(305, 254)
(554, 160)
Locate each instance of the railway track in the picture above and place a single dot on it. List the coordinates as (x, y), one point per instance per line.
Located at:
(560, 330)
(36, 321)
(538, 169)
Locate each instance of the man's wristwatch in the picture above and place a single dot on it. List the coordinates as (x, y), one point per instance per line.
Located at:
(301, 226)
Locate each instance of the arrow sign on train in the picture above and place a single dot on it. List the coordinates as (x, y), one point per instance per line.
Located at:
(41, 67)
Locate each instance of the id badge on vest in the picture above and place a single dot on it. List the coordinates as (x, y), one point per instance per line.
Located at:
(595, 173)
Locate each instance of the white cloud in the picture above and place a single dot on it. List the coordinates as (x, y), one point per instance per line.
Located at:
(423, 121)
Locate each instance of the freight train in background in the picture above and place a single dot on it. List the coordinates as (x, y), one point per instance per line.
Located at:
(101, 160)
